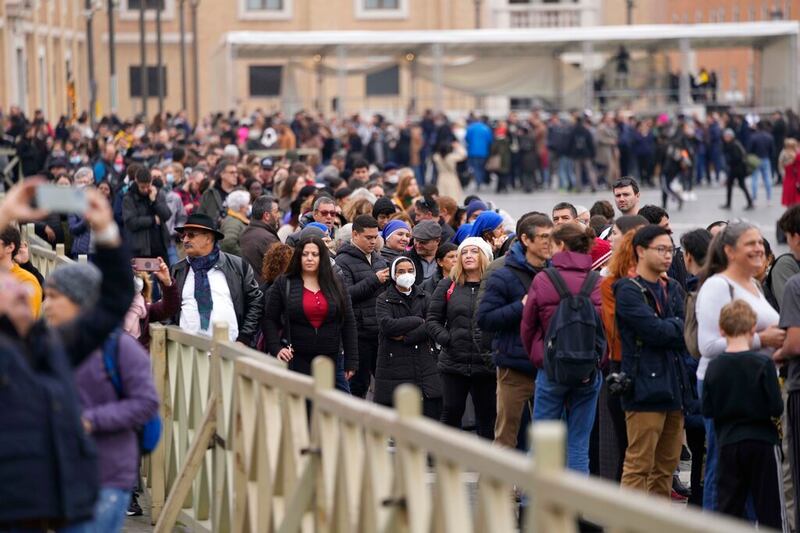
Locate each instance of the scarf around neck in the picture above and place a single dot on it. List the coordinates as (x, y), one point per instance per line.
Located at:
(202, 288)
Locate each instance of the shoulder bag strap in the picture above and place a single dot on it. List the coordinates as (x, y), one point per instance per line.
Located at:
(589, 284)
(558, 282)
(111, 362)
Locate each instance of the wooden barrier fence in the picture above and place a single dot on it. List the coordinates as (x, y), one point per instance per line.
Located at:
(238, 454)
(250, 446)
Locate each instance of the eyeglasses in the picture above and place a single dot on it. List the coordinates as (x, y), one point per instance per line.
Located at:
(326, 213)
(663, 250)
(191, 234)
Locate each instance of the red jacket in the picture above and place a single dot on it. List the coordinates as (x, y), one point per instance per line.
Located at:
(791, 182)
(543, 300)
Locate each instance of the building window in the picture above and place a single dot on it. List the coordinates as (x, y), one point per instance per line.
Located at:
(751, 13)
(381, 9)
(130, 9)
(135, 74)
(384, 82)
(735, 14)
(265, 9)
(721, 15)
(712, 16)
(675, 18)
(148, 4)
(698, 16)
(265, 80)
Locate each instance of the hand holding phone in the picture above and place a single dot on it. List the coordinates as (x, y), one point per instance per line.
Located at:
(145, 264)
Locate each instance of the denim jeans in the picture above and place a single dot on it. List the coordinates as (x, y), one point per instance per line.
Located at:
(765, 169)
(712, 456)
(109, 511)
(553, 401)
(341, 382)
(566, 173)
(478, 167)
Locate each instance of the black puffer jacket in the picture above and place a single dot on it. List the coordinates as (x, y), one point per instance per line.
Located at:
(452, 322)
(337, 331)
(362, 284)
(410, 360)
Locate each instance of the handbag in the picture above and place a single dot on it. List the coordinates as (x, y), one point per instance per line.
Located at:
(494, 163)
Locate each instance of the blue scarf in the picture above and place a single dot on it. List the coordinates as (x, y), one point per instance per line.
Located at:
(202, 289)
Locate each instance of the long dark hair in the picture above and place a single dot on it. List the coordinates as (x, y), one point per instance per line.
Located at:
(328, 281)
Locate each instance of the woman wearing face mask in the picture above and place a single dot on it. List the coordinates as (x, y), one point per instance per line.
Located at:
(465, 362)
(396, 236)
(405, 354)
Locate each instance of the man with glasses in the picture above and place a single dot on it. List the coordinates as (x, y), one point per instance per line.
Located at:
(500, 313)
(226, 179)
(626, 196)
(325, 213)
(262, 232)
(214, 286)
(658, 216)
(650, 318)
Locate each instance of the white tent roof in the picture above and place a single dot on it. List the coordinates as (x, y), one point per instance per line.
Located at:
(504, 41)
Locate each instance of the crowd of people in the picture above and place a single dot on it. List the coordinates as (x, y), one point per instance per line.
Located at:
(371, 253)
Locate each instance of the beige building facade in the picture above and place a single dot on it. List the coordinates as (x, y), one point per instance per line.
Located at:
(42, 46)
(44, 52)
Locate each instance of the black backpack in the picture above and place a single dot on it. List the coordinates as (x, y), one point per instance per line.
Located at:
(575, 339)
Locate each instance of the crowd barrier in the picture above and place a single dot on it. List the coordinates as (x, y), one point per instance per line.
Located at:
(250, 446)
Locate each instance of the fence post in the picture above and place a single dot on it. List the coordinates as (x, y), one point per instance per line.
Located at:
(158, 469)
(549, 447)
(83, 259)
(220, 334)
(60, 250)
(411, 501)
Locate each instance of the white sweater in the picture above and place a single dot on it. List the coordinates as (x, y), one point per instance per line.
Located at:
(713, 295)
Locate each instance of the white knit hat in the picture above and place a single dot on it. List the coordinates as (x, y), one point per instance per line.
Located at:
(482, 245)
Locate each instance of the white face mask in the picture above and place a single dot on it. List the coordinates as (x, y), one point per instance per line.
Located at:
(406, 281)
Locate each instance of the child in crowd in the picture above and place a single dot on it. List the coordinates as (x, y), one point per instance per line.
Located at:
(742, 395)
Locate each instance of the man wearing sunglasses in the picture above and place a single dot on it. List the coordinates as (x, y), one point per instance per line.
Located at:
(325, 213)
(214, 286)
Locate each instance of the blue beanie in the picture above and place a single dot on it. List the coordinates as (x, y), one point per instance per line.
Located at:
(486, 221)
(321, 226)
(475, 205)
(392, 226)
(463, 232)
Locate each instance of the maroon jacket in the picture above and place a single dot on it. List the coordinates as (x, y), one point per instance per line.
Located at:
(543, 300)
(164, 309)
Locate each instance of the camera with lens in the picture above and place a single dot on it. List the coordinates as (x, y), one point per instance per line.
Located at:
(619, 383)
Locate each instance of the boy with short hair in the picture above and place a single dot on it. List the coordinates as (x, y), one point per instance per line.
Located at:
(742, 395)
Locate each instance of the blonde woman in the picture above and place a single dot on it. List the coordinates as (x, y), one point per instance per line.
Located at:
(407, 190)
(465, 362)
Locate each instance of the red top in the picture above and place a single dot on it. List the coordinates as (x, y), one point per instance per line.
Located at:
(315, 306)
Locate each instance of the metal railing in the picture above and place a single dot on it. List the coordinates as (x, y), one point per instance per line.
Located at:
(251, 446)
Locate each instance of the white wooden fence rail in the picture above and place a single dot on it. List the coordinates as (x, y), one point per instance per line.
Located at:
(249, 446)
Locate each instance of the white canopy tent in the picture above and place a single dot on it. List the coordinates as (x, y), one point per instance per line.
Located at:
(518, 62)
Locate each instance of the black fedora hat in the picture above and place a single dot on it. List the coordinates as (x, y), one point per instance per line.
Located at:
(201, 222)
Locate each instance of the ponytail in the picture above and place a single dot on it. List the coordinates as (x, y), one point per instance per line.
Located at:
(576, 237)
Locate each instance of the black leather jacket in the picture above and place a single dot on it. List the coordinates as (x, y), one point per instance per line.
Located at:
(244, 289)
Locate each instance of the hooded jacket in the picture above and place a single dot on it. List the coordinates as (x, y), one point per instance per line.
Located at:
(139, 215)
(362, 284)
(411, 359)
(500, 309)
(255, 241)
(543, 300)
